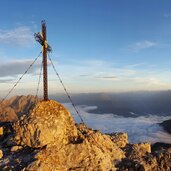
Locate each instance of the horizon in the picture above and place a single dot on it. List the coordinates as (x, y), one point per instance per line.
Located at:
(63, 94)
(98, 46)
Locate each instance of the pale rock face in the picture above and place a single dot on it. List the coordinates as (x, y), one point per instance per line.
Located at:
(48, 123)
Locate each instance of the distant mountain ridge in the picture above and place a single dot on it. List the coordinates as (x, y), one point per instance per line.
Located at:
(124, 104)
(130, 104)
(166, 125)
(11, 109)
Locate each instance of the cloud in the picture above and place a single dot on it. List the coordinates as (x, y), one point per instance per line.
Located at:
(111, 74)
(14, 68)
(135, 65)
(21, 36)
(8, 80)
(147, 81)
(100, 75)
(139, 129)
(105, 76)
(142, 45)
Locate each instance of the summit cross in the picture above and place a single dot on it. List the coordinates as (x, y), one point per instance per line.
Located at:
(41, 37)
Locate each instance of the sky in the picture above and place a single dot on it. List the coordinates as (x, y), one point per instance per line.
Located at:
(98, 45)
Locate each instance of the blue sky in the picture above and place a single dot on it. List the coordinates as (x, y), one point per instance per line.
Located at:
(98, 45)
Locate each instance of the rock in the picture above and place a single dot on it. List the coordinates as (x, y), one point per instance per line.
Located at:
(16, 148)
(91, 150)
(46, 138)
(163, 158)
(73, 157)
(84, 129)
(120, 139)
(158, 161)
(1, 154)
(138, 150)
(138, 164)
(159, 146)
(48, 123)
(1, 132)
(102, 141)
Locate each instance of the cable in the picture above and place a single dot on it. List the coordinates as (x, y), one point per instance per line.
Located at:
(38, 85)
(37, 90)
(69, 97)
(20, 79)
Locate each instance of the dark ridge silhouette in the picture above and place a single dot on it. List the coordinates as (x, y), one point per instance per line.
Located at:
(166, 125)
(125, 104)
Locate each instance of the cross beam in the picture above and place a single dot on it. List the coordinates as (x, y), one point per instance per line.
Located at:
(41, 38)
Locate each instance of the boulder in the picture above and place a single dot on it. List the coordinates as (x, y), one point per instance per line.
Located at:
(48, 123)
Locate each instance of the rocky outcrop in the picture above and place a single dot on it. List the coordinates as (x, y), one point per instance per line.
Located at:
(158, 161)
(59, 144)
(48, 123)
(46, 138)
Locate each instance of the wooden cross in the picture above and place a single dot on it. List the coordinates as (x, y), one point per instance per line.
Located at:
(42, 39)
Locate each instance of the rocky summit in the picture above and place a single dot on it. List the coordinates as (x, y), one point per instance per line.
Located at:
(47, 139)
(48, 123)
